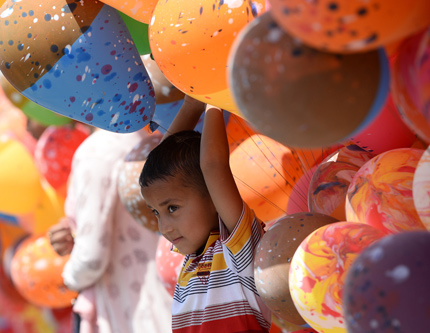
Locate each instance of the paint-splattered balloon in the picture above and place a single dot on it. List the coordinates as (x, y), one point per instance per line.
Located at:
(411, 82)
(191, 41)
(351, 25)
(299, 96)
(330, 182)
(380, 194)
(319, 268)
(76, 59)
(387, 287)
(128, 181)
(54, 153)
(421, 188)
(273, 257)
(140, 10)
(168, 264)
(36, 272)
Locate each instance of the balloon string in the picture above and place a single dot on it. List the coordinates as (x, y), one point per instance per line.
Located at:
(301, 195)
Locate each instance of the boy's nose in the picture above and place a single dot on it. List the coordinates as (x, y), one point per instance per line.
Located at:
(164, 226)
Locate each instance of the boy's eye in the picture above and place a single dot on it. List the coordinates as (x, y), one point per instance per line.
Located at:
(155, 212)
(172, 209)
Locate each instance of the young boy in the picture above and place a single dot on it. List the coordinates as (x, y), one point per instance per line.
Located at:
(188, 184)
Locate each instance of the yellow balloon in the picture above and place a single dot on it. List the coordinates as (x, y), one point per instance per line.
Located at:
(20, 187)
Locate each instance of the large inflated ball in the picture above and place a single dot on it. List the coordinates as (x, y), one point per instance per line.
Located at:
(387, 289)
(36, 273)
(411, 79)
(421, 188)
(265, 172)
(299, 96)
(128, 181)
(387, 131)
(380, 194)
(318, 271)
(140, 10)
(20, 187)
(330, 182)
(78, 60)
(273, 257)
(350, 25)
(54, 153)
(191, 41)
(169, 265)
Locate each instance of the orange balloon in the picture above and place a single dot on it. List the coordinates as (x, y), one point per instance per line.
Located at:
(190, 43)
(36, 272)
(238, 130)
(265, 172)
(140, 10)
(351, 25)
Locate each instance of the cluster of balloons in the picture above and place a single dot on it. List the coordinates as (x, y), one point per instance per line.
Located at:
(327, 115)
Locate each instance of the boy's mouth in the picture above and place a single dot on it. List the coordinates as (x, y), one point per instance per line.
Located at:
(176, 240)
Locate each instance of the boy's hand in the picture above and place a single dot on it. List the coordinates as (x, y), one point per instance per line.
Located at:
(61, 238)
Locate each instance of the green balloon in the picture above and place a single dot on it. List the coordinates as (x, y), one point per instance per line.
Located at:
(139, 33)
(43, 116)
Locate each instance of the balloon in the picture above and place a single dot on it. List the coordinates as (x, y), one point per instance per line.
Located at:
(11, 119)
(54, 152)
(30, 109)
(421, 188)
(191, 43)
(272, 261)
(165, 92)
(128, 181)
(20, 184)
(299, 96)
(140, 10)
(238, 130)
(169, 265)
(265, 172)
(350, 25)
(287, 327)
(77, 60)
(387, 131)
(299, 195)
(139, 33)
(10, 219)
(380, 194)
(410, 83)
(36, 273)
(329, 183)
(318, 271)
(387, 289)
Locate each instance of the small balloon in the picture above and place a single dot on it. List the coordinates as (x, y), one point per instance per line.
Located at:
(380, 194)
(77, 60)
(273, 257)
(139, 10)
(318, 271)
(350, 25)
(421, 188)
(387, 289)
(330, 182)
(299, 96)
(36, 272)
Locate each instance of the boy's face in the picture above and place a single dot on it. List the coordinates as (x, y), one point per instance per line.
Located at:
(185, 216)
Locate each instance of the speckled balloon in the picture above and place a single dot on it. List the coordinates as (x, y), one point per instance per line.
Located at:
(299, 96)
(387, 288)
(318, 271)
(380, 193)
(411, 82)
(128, 181)
(169, 264)
(140, 10)
(54, 153)
(273, 257)
(421, 188)
(191, 42)
(329, 184)
(76, 59)
(36, 273)
(351, 25)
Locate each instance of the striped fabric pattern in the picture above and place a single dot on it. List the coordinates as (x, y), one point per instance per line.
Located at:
(216, 291)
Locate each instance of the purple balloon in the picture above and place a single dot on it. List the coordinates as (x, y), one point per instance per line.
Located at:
(387, 288)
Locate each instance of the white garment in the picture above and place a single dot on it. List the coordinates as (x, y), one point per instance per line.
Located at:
(113, 259)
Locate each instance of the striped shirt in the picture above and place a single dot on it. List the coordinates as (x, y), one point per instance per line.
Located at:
(216, 291)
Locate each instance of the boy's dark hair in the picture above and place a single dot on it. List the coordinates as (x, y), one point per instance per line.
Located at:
(177, 155)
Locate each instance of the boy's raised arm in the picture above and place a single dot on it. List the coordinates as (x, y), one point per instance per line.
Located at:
(187, 117)
(214, 161)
